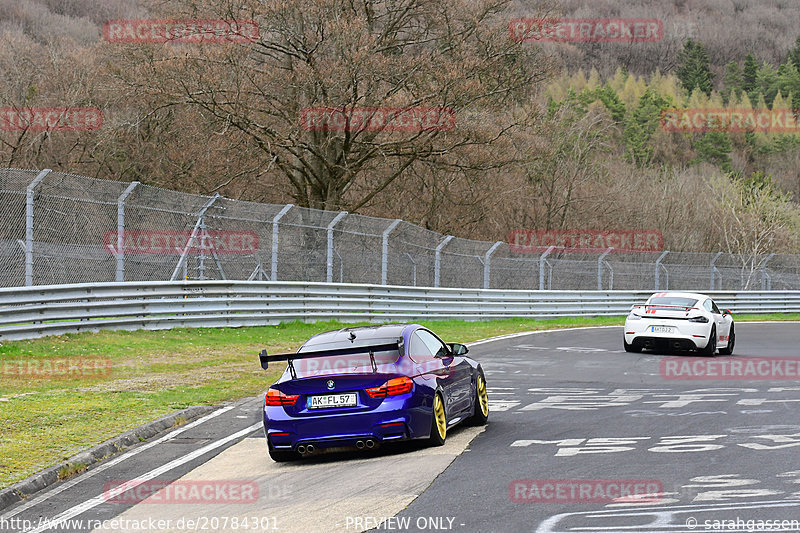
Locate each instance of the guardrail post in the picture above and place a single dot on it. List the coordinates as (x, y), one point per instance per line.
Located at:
(385, 250)
(542, 263)
(120, 275)
(437, 261)
(487, 263)
(600, 261)
(658, 269)
(29, 225)
(201, 221)
(337, 218)
(715, 270)
(766, 280)
(275, 219)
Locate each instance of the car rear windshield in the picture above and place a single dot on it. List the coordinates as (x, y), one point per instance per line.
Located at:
(343, 364)
(672, 301)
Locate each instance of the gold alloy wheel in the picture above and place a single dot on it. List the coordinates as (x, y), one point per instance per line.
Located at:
(438, 412)
(483, 399)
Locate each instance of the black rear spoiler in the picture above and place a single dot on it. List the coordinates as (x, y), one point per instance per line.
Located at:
(290, 357)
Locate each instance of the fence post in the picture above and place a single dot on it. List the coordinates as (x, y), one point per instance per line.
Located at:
(413, 269)
(766, 280)
(385, 250)
(487, 263)
(714, 270)
(658, 268)
(542, 263)
(437, 262)
(600, 261)
(29, 225)
(337, 218)
(275, 219)
(201, 222)
(120, 275)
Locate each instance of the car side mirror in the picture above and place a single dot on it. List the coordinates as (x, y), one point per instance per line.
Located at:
(726, 312)
(457, 349)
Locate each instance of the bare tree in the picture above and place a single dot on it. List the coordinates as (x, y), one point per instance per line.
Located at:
(399, 54)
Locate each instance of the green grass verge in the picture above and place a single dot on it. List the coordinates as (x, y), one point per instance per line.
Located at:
(48, 417)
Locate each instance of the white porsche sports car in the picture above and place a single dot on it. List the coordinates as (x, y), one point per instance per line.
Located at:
(680, 321)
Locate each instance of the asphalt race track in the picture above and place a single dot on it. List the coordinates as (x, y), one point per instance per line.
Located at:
(582, 437)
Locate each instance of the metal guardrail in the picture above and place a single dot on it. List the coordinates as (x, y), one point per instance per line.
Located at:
(30, 312)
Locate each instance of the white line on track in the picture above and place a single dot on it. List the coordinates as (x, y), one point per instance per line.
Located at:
(101, 498)
(105, 466)
(524, 333)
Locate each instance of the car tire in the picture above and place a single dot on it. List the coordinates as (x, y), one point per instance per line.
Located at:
(631, 347)
(438, 421)
(728, 350)
(711, 347)
(480, 414)
(281, 456)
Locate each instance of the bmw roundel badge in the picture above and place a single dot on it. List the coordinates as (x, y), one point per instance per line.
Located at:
(331, 384)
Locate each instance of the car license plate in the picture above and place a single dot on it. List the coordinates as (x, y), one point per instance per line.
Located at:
(332, 400)
(662, 329)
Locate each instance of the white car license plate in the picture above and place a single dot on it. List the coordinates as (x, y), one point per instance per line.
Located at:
(332, 400)
(662, 329)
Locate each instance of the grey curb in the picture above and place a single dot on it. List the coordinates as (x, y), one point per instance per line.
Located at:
(25, 488)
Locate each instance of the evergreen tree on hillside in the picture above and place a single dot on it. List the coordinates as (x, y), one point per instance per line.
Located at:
(794, 54)
(609, 97)
(715, 147)
(732, 82)
(749, 73)
(788, 79)
(641, 125)
(694, 70)
(766, 83)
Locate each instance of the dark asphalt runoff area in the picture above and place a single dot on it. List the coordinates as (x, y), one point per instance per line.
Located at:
(582, 437)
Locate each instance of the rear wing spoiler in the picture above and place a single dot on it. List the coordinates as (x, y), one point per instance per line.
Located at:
(265, 358)
(684, 307)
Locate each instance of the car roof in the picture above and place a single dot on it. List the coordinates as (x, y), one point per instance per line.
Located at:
(694, 295)
(364, 334)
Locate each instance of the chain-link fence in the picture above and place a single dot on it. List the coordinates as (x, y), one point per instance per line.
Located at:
(59, 228)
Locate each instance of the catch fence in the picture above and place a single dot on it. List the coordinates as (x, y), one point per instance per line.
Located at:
(58, 228)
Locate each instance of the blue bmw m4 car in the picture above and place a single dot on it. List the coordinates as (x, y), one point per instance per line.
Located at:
(365, 386)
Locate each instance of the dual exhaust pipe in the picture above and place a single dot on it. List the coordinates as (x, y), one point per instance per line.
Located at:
(305, 449)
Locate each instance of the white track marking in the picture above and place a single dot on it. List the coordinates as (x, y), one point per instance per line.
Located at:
(105, 466)
(524, 333)
(101, 498)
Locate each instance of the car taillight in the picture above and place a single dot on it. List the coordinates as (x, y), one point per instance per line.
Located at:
(701, 319)
(276, 398)
(393, 387)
